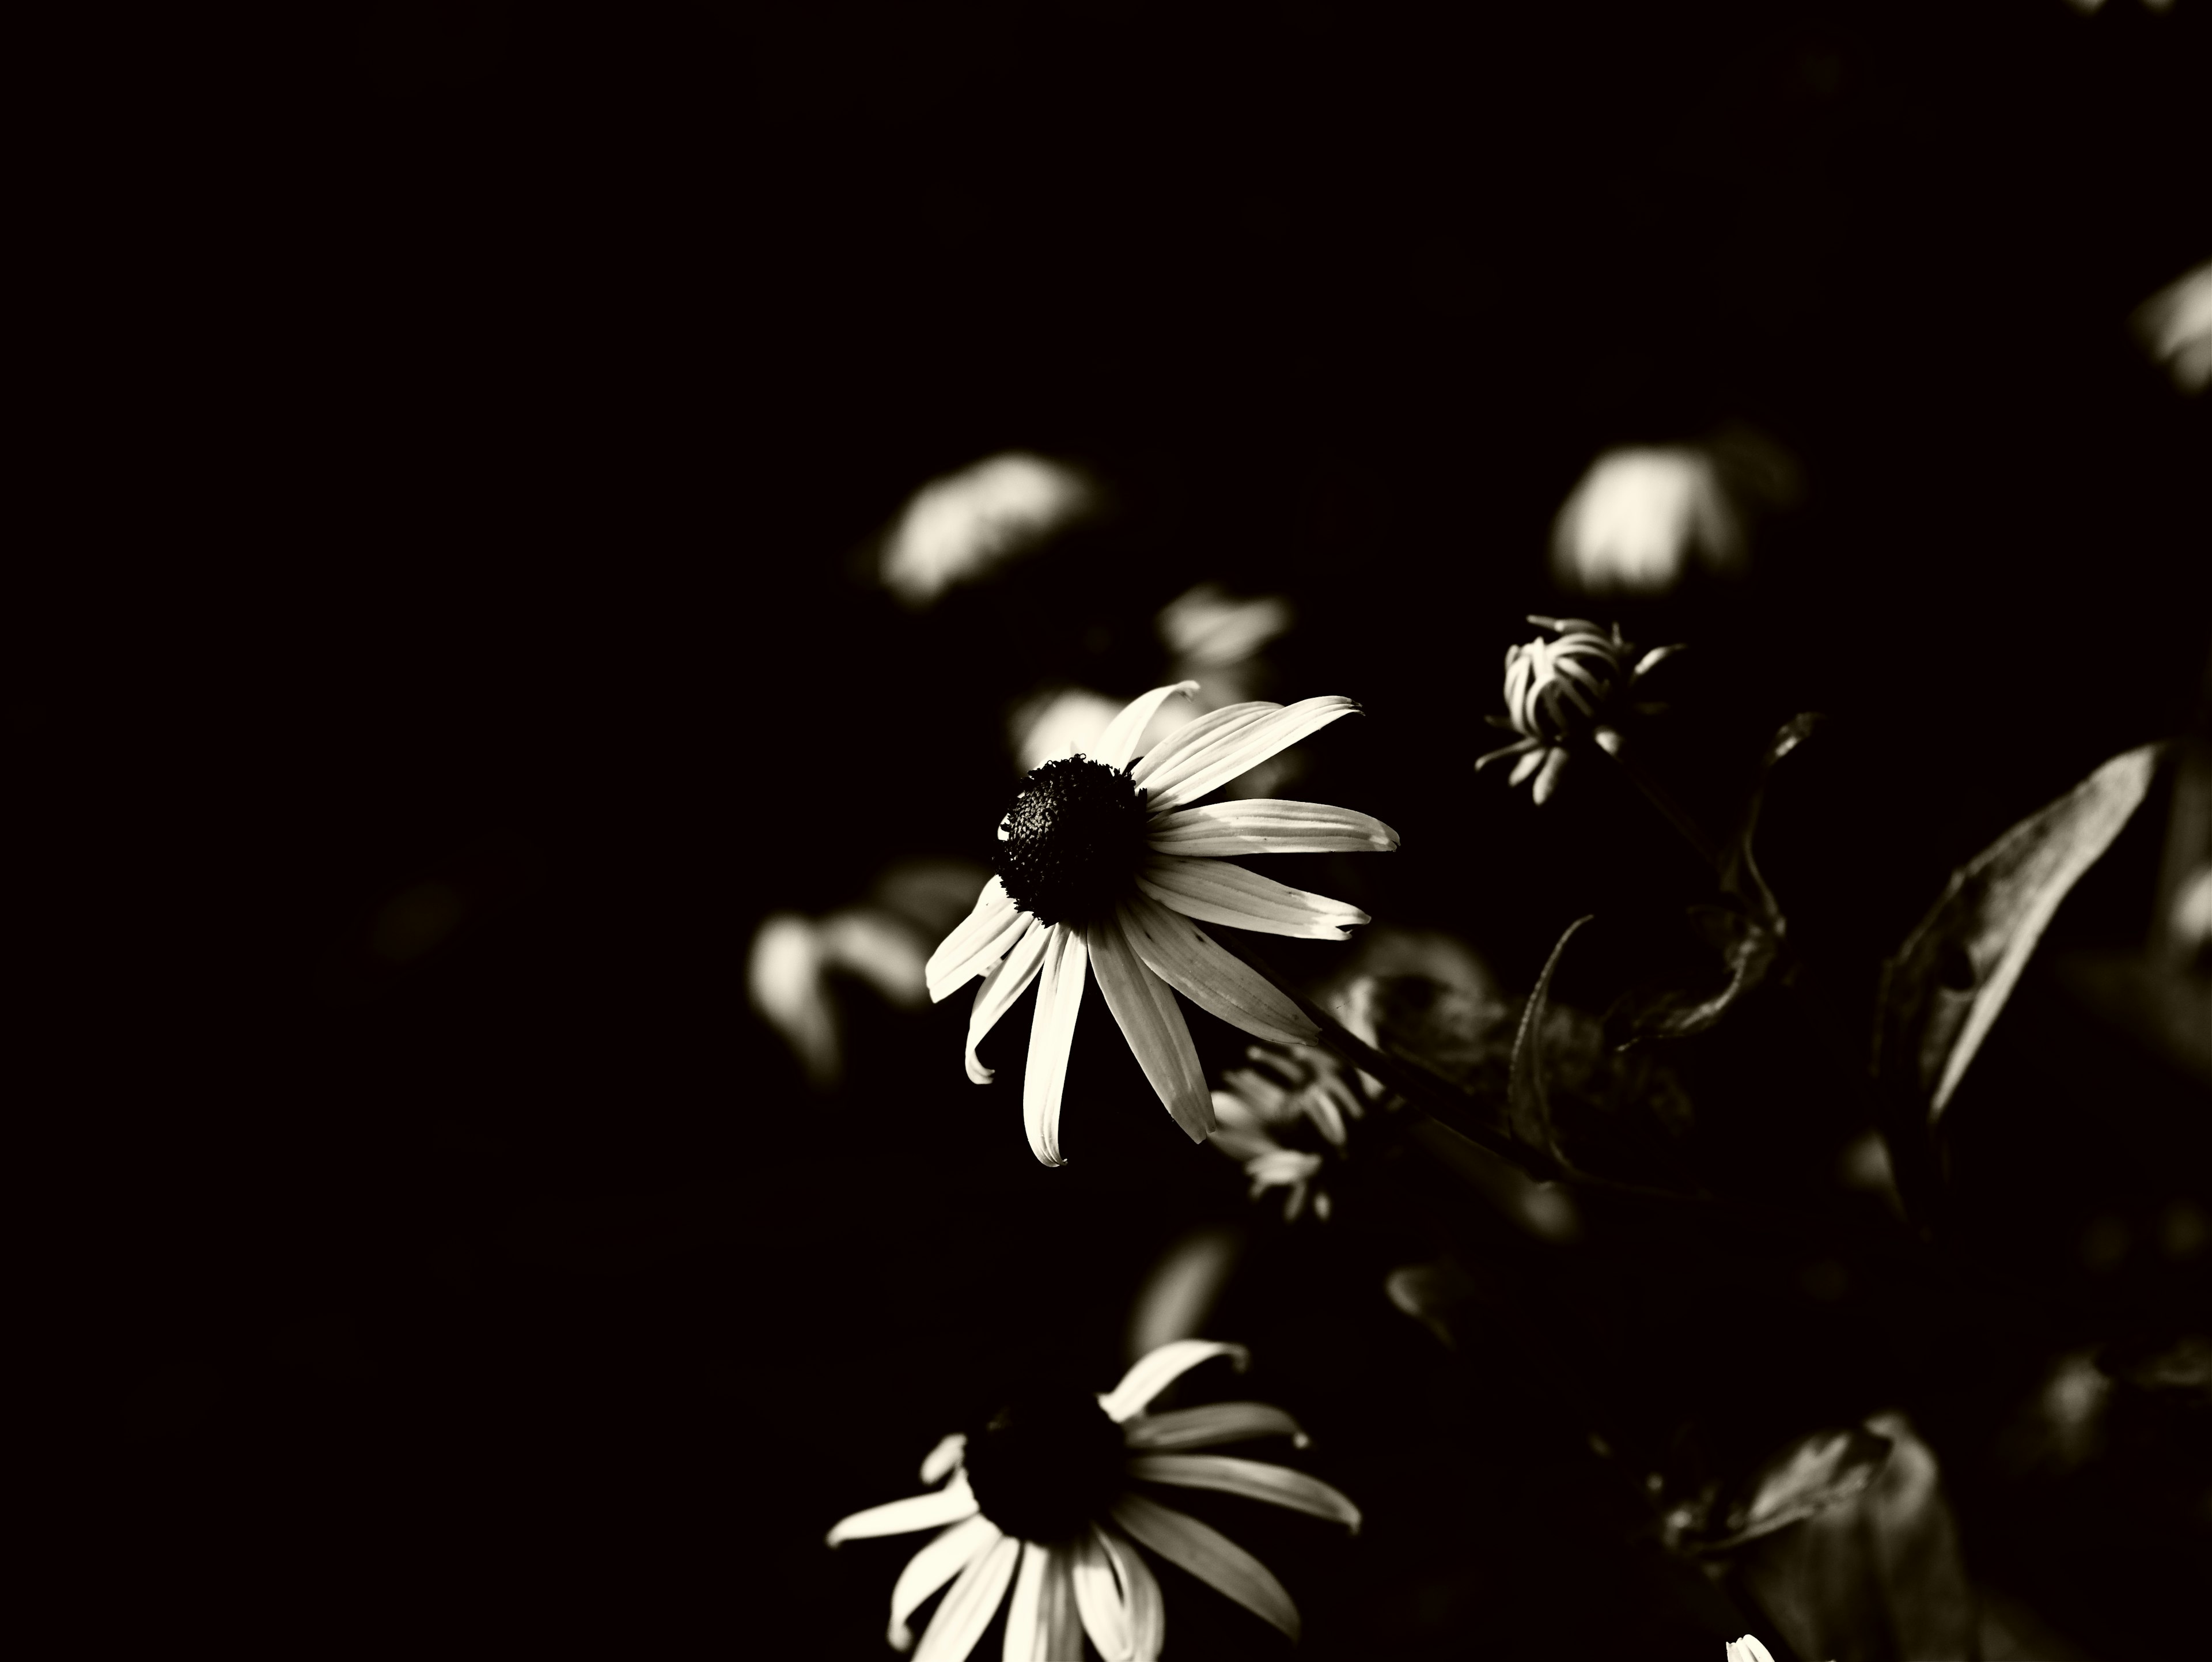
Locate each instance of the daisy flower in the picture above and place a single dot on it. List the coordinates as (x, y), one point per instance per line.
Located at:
(1103, 865)
(1040, 1500)
(1259, 1104)
(1556, 691)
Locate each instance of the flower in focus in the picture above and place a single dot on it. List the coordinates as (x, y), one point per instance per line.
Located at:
(1103, 864)
(1749, 1649)
(1560, 691)
(1286, 1092)
(1040, 1499)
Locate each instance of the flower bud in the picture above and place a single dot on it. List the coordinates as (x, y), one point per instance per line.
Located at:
(1562, 691)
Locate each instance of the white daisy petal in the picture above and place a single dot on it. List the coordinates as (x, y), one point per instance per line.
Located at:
(1022, 1609)
(1237, 748)
(1155, 1370)
(1154, 1027)
(1527, 764)
(945, 1506)
(1210, 1423)
(942, 1458)
(969, 1608)
(1198, 967)
(1210, 1555)
(1009, 978)
(976, 940)
(932, 1568)
(1118, 744)
(1098, 1598)
(1268, 826)
(1192, 736)
(1140, 1596)
(1256, 1480)
(1059, 1620)
(1052, 1035)
(1219, 891)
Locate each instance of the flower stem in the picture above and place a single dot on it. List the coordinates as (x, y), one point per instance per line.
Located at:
(1664, 800)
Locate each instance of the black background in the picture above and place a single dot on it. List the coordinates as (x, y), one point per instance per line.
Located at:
(474, 432)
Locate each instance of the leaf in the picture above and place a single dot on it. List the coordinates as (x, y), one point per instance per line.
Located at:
(1660, 1009)
(1876, 1573)
(1942, 991)
(1811, 1475)
(1529, 1110)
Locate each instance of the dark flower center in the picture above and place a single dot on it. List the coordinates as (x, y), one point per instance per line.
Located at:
(1069, 845)
(1046, 1465)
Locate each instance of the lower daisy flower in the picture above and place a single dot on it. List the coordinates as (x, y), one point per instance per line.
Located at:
(1040, 1500)
(1103, 865)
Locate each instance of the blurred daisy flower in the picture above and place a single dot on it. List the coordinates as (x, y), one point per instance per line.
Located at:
(1749, 1649)
(1103, 864)
(958, 527)
(1040, 1499)
(1640, 518)
(1563, 691)
(1265, 1107)
(2175, 324)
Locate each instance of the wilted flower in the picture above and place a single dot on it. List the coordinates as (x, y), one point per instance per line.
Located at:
(1101, 862)
(1040, 1499)
(1265, 1103)
(1557, 692)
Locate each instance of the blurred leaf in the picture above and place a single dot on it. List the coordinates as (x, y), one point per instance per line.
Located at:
(1528, 1108)
(1942, 991)
(1874, 1574)
(1661, 1009)
(1812, 1474)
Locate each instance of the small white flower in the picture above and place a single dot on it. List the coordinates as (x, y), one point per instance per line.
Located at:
(1040, 1500)
(1103, 867)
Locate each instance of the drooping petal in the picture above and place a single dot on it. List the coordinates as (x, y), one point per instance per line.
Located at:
(1118, 744)
(1140, 1596)
(1009, 978)
(1527, 765)
(1052, 1034)
(1211, 1423)
(1210, 1555)
(1060, 1623)
(969, 1608)
(976, 940)
(1237, 748)
(1256, 1480)
(1268, 826)
(1098, 1598)
(1022, 1612)
(1514, 749)
(1219, 892)
(1155, 1370)
(948, 1505)
(1555, 764)
(942, 1458)
(932, 1568)
(1154, 1027)
(1204, 972)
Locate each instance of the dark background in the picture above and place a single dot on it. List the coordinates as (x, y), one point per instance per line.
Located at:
(477, 426)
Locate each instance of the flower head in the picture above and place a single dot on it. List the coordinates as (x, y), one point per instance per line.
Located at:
(1039, 1499)
(1560, 692)
(1273, 1111)
(1104, 864)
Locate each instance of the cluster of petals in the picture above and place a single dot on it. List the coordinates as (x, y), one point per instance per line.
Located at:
(1557, 691)
(1151, 946)
(1282, 1089)
(1099, 1584)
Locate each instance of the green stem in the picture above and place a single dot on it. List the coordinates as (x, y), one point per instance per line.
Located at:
(1663, 799)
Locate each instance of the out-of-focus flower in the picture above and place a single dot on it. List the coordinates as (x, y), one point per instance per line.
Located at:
(1103, 864)
(787, 977)
(1557, 692)
(1749, 1649)
(1040, 1500)
(959, 527)
(1639, 517)
(1284, 1090)
(2175, 324)
(1215, 638)
(1065, 721)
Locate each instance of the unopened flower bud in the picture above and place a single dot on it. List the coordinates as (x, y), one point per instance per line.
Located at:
(1558, 692)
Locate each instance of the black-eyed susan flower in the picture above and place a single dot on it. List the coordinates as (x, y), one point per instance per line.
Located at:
(1558, 692)
(1048, 1499)
(1104, 865)
(1264, 1108)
